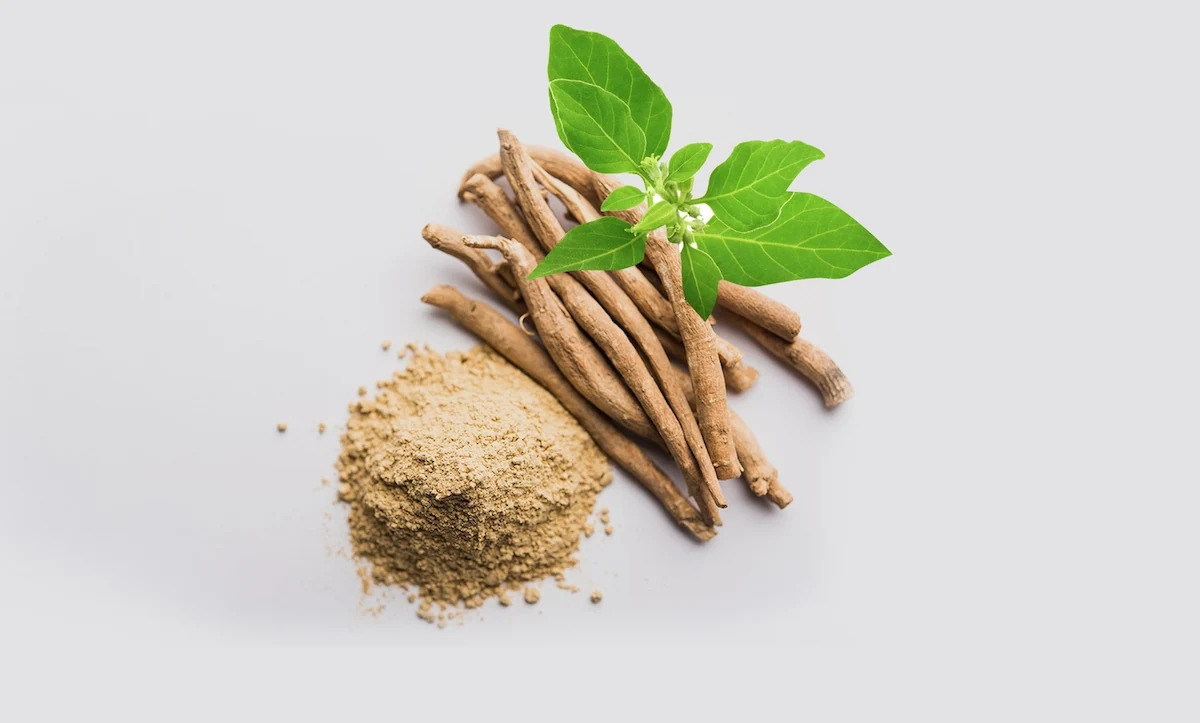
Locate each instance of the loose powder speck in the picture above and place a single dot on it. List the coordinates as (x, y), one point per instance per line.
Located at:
(466, 478)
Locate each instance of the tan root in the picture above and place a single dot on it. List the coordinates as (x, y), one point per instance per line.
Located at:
(803, 356)
(497, 277)
(704, 365)
(578, 357)
(768, 313)
(761, 476)
(630, 368)
(644, 292)
(492, 200)
(777, 494)
(523, 175)
(503, 336)
(609, 337)
(558, 164)
(648, 299)
(738, 377)
(699, 343)
(777, 317)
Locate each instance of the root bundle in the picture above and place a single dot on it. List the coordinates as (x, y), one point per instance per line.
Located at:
(605, 340)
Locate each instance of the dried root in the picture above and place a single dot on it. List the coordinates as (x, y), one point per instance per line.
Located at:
(576, 355)
(497, 277)
(503, 336)
(629, 366)
(761, 476)
(768, 313)
(738, 378)
(609, 337)
(772, 315)
(701, 473)
(699, 343)
(571, 182)
(492, 200)
(803, 356)
(556, 163)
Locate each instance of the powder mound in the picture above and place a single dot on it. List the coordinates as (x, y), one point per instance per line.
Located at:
(466, 478)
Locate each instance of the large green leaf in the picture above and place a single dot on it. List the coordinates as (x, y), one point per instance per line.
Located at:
(700, 278)
(605, 244)
(748, 189)
(596, 125)
(812, 238)
(596, 59)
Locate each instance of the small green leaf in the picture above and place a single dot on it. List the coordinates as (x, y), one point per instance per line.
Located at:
(623, 199)
(700, 278)
(812, 238)
(660, 214)
(687, 161)
(748, 189)
(596, 125)
(605, 244)
(596, 59)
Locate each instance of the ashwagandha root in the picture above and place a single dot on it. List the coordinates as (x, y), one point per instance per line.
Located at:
(773, 315)
(596, 323)
(778, 494)
(497, 277)
(479, 189)
(699, 343)
(576, 355)
(760, 475)
(646, 338)
(738, 377)
(558, 164)
(646, 294)
(803, 356)
(521, 172)
(525, 353)
(493, 201)
(757, 472)
(649, 301)
(768, 313)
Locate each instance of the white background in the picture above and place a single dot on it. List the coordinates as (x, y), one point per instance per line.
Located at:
(209, 219)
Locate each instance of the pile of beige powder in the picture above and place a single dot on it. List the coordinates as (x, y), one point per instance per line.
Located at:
(466, 479)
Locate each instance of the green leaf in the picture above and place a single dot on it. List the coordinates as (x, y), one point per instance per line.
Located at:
(687, 161)
(596, 125)
(598, 60)
(660, 214)
(700, 277)
(812, 238)
(748, 189)
(623, 199)
(605, 244)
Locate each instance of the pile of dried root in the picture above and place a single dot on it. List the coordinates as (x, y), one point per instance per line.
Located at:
(608, 338)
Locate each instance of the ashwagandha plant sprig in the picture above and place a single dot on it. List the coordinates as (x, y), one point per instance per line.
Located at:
(755, 231)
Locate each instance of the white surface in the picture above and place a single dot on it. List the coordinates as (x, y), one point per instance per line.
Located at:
(209, 220)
